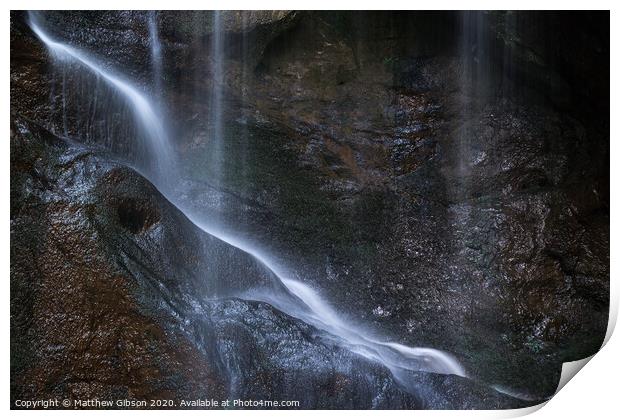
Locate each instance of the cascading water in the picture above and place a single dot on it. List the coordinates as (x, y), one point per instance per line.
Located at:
(150, 123)
(217, 79)
(156, 55)
(245, 82)
(473, 81)
(296, 298)
(314, 310)
(396, 357)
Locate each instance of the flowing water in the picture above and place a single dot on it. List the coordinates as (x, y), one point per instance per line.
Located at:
(396, 357)
(474, 86)
(156, 55)
(298, 300)
(217, 79)
(145, 113)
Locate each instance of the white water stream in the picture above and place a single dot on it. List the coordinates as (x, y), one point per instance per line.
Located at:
(398, 358)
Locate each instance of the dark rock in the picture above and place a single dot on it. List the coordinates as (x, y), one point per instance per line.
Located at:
(445, 189)
(112, 297)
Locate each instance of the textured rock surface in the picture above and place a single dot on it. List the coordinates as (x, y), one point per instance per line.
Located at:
(111, 298)
(455, 207)
(87, 317)
(440, 202)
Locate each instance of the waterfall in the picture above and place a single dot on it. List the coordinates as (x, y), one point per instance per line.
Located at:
(217, 80)
(396, 357)
(475, 89)
(314, 310)
(244, 135)
(156, 56)
(150, 123)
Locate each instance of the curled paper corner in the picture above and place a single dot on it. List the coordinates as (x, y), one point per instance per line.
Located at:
(613, 315)
(570, 369)
(518, 412)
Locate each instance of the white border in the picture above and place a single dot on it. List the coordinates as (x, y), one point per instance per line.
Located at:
(593, 394)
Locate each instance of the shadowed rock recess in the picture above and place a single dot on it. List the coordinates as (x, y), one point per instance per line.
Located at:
(440, 178)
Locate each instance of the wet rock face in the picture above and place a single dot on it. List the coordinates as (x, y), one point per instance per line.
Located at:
(134, 216)
(432, 195)
(454, 202)
(74, 298)
(96, 286)
(29, 68)
(128, 41)
(269, 357)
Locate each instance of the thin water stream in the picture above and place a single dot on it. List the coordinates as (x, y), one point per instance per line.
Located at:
(315, 310)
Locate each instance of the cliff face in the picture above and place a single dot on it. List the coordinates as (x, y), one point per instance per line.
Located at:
(450, 186)
(116, 295)
(92, 311)
(442, 178)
